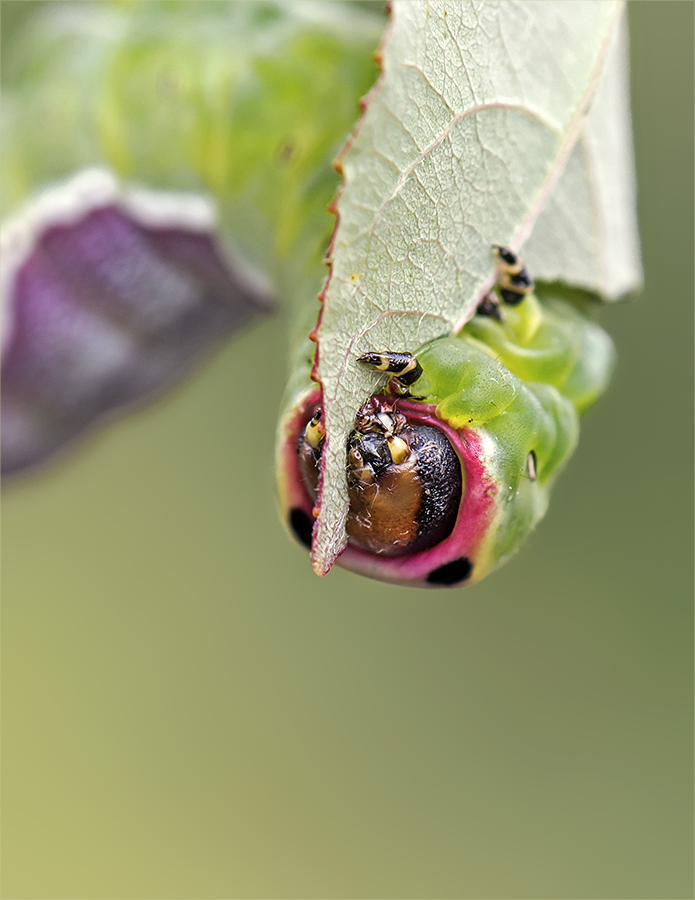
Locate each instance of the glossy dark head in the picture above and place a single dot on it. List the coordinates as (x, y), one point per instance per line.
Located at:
(404, 481)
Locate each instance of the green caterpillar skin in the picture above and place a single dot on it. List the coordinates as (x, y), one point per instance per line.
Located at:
(520, 384)
(507, 393)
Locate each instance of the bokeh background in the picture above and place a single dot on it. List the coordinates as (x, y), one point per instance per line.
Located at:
(188, 712)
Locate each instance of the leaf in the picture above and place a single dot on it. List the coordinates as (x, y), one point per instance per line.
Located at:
(109, 295)
(586, 234)
(463, 144)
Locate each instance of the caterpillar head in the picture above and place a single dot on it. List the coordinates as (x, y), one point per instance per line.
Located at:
(417, 511)
(404, 480)
(449, 472)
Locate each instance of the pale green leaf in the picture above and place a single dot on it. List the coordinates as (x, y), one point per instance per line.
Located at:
(463, 144)
(586, 233)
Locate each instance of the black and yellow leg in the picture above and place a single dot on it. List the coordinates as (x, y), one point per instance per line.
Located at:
(513, 281)
(403, 366)
(490, 306)
(314, 433)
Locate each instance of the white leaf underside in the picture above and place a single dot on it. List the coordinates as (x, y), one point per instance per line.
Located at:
(586, 234)
(476, 132)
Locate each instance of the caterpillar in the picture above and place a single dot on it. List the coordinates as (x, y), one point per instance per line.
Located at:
(449, 469)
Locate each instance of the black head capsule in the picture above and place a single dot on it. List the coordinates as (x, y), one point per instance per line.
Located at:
(404, 480)
(404, 484)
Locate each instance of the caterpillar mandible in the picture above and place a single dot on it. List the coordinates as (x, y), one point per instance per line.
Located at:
(449, 469)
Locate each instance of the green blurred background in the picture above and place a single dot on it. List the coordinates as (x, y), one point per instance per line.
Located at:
(188, 712)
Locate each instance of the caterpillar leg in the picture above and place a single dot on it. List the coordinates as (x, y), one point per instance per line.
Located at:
(513, 281)
(403, 366)
(314, 433)
(490, 306)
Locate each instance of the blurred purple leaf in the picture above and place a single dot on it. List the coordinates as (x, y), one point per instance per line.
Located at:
(110, 294)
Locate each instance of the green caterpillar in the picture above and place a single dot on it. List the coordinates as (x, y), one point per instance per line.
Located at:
(450, 469)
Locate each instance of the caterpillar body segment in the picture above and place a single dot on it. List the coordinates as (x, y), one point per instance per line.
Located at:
(450, 468)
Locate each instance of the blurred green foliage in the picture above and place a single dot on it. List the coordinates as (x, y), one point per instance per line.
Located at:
(189, 712)
(249, 101)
